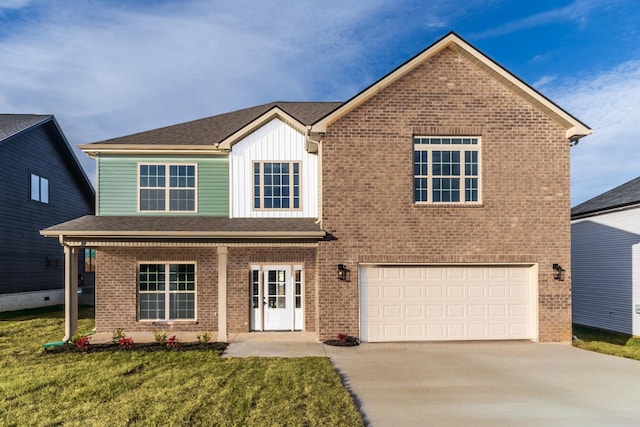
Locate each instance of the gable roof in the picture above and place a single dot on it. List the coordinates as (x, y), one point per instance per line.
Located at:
(13, 124)
(210, 133)
(625, 195)
(575, 129)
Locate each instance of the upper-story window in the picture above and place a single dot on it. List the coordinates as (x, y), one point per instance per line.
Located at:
(276, 185)
(167, 187)
(39, 188)
(446, 170)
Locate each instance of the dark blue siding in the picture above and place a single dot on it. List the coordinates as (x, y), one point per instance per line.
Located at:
(23, 251)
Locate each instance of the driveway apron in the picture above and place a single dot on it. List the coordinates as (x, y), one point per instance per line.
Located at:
(489, 384)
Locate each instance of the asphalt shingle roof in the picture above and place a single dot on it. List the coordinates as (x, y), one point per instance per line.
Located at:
(122, 225)
(212, 130)
(623, 195)
(11, 124)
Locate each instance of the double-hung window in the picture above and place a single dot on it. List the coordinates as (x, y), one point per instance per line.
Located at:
(39, 189)
(167, 187)
(167, 291)
(276, 185)
(446, 170)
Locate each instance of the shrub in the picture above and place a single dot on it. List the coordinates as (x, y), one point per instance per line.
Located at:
(117, 335)
(204, 338)
(160, 336)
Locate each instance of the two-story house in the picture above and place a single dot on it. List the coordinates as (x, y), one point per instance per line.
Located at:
(41, 184)
(433, 205)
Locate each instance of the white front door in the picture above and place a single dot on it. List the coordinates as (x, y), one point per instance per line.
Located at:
(276, 298)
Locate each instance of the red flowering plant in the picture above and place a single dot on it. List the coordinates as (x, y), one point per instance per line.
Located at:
(173, 342)
(82, 343)
(126, 342)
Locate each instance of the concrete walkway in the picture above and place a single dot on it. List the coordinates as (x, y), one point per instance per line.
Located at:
(489, 384)
(274, 344)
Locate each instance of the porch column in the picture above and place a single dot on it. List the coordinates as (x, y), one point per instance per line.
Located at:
(70, 292)
(222, 293)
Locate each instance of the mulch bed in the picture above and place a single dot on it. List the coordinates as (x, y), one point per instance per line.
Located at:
(147, 347)
(339, 343)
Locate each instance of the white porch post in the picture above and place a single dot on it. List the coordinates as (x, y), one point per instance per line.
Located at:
(70, 292)
(222, 293)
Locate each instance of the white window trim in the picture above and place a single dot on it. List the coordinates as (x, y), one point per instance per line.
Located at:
(167, 187)
(291, 196)
(447, 147)
(167, 292)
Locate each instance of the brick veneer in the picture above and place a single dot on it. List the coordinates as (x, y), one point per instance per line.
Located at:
(238, 299)
(370, 212)
(116, 293)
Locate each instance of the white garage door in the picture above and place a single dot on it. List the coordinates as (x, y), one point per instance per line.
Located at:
(447, 303)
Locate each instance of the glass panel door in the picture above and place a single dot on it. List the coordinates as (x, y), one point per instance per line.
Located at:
(278, 298)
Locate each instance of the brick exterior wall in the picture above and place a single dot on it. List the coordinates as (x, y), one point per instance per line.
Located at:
(116, 285)
(238, 290)
(367, 202)
(116, 288)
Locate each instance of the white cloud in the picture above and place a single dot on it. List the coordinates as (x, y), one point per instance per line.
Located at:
(610, 104)
(575, 13)
(543, 81)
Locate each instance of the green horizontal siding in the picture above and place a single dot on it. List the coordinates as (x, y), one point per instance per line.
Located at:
(118, 184)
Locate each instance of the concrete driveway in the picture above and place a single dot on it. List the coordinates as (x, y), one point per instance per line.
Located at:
(489, 384)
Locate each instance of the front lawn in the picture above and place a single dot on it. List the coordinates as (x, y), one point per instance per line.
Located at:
(613, 343)
(186, 388)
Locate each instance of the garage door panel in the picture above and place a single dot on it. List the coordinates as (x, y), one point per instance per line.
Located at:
(392, 291)
(476, 310)
(413, 291)
(414, 311)
(441, 303)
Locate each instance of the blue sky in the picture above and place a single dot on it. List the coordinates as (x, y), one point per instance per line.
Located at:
(108, 68)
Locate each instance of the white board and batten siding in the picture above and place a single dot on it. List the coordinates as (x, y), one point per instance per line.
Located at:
(605, 271)
(447, 303)
(275, 141)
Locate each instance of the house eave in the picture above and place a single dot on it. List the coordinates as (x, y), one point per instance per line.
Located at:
(95, 150)
(185, 234)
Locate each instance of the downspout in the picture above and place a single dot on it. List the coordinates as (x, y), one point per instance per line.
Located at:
(312, 139)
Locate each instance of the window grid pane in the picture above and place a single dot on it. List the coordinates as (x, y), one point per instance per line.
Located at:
(154, 294)
(276, 185)
(450, 171)
(180, 188)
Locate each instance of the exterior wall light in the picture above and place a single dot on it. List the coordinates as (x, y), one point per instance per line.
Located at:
(558, 272)
(344, 274)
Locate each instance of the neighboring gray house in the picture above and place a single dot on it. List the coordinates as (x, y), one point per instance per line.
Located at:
(41, 184)
(605, 257)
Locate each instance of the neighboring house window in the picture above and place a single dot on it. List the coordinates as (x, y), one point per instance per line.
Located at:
(167, 187)
(276, 185)
(167, 291)
(446, 170)
(39, 188)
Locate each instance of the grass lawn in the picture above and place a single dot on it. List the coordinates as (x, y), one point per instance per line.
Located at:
(186, 388)
(613, 343)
